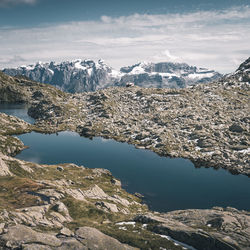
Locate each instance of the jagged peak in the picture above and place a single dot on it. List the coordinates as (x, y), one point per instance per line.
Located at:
(245, 66)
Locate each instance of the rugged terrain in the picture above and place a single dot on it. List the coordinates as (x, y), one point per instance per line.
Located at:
(86, 75)
(208, 123)
(71, 207)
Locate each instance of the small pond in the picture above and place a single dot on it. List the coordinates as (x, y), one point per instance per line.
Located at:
(16, 109)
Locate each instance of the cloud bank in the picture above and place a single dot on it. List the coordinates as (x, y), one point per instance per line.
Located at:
(7, 3)
(214, 39)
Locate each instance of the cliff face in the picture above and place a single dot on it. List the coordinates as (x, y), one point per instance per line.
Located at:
(73, 207)
(86, 75)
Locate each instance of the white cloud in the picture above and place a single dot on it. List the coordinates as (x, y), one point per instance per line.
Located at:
(214, 39)
(6, 3)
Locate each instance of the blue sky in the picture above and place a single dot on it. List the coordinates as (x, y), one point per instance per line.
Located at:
(212, 34)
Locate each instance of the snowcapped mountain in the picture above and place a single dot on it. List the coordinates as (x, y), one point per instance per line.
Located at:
(166, 75)
(88, 75)
(71, 76)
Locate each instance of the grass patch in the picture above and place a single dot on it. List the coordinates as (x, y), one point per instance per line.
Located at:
(13, 192)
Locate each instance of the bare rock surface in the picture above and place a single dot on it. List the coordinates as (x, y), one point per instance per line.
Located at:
(94, 239)
(23, 237)
(4, 170)
(215, 228)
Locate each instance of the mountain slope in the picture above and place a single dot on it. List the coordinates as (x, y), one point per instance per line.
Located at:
(86, 75)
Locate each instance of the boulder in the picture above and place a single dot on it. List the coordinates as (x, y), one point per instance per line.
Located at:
(236, 128)
(20, 234)
(94, 239)
(4, 170)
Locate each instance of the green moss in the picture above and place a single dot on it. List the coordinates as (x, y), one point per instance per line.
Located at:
(85, 213)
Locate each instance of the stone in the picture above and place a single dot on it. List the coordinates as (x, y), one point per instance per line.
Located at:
(65, 231)
(60, 168)
(116, 182)
(95, 193)
(4, 170)
(94, 239)
(2, 227)
(78, 194)
(20, 234)
(72, 244)
(106, 206)
(236, 128)
(215, 228)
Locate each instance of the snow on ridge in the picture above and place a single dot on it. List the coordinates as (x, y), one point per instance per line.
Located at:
(78, 65)
(90, 71)
(28, 67)
(115, 73)
(169, 75)
(51, 71)
(200, 75)
(137, 70)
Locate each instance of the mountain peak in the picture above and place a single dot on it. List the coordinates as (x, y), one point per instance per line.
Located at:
(81, 75)
(245, 66)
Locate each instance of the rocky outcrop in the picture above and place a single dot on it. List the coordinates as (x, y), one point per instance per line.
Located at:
(4, 170)
(23, 237)
(203, 229)
(86, 75)
(12, 125)
(94, 239)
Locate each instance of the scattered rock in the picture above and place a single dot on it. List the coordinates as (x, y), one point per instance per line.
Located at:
(65, 231)
(59, 168)
(236, 128)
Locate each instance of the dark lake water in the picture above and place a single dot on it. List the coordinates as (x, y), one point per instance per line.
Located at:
(19, 110)
(167, 184)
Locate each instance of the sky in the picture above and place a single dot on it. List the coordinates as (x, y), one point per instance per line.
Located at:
(212, 33)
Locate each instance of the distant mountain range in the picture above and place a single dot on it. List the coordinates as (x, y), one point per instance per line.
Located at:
(88, 75)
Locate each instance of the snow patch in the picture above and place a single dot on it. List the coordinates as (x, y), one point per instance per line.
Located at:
(126, 223)
(116, 74)
(28, 67)
(169, 75)
(245, 151)
(137, 70)
(79, 66)
(200, 76)
(177, 243)
(90, 71)
(51, 71)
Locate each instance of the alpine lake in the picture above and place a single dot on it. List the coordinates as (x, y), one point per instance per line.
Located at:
(166, 183)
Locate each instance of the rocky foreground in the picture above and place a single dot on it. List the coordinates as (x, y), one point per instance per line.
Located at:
(71, 207)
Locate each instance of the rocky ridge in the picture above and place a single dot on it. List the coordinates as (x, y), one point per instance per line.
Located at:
(206, 123)
(86, 75)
